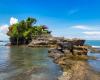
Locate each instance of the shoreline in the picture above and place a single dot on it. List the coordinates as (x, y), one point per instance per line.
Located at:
(80, 71)
(75, 69)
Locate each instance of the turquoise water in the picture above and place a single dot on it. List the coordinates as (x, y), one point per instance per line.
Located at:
(93, 42)
(24, 63)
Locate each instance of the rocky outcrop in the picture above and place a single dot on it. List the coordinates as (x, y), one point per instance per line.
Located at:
(50, 40)
(80, 50)
(40, 41)
(95, 50)
(55, 54)
(71, 57)
(78, 42)
(70, 47)
(79, 70)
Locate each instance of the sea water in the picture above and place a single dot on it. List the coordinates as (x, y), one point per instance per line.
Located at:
(24, 63)
(95, 64)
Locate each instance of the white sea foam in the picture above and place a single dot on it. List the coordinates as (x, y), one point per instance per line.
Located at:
(96, 46)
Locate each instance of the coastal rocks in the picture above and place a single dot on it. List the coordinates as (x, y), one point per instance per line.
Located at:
(80, 70)
(66, 51)
(76, 47)
(69, 68)
(37, 43)
(60, 41)
(80, 50)
(71, 56)
(95, 50)
(40, 41)
(54, 53)
(66, 75)
(74, 50)
(78, 42)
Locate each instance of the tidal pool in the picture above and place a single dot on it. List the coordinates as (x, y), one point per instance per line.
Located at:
(95, 64)
(24, 63)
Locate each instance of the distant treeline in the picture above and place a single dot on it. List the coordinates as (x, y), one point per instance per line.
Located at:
(23, 31)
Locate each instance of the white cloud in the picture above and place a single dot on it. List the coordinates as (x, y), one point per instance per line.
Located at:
(4, 28)
(92, 33)
(92, 37)
(87, 32)
(82, 27)
(13, 20)
(3, 31)
(85, 27)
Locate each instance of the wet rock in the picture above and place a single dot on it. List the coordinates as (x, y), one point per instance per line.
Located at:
(66, 51)
(54, 53)
(78, 42)
(80, 50)
(95, 50)
(66, 75)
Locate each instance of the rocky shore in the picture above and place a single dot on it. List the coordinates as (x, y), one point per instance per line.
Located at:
(95, 50)
(75, 67)
(80, 70)
(72, 57)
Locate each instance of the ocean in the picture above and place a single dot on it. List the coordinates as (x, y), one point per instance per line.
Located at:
(93, 43)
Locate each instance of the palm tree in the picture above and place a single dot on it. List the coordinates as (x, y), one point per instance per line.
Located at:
(25, 30)
(30, 21)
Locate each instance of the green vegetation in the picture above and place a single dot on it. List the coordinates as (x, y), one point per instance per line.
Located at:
(23, 31)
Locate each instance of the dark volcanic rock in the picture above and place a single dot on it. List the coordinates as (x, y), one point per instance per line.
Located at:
(78, 42)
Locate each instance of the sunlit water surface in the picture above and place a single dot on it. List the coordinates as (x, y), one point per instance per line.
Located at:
(95, 64)
(24, 63)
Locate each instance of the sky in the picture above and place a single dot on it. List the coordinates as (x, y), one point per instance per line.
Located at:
(66, 18)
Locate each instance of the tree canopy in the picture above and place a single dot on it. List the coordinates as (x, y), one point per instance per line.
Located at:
(23, 31)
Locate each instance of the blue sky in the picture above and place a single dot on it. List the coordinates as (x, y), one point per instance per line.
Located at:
(68, 18)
